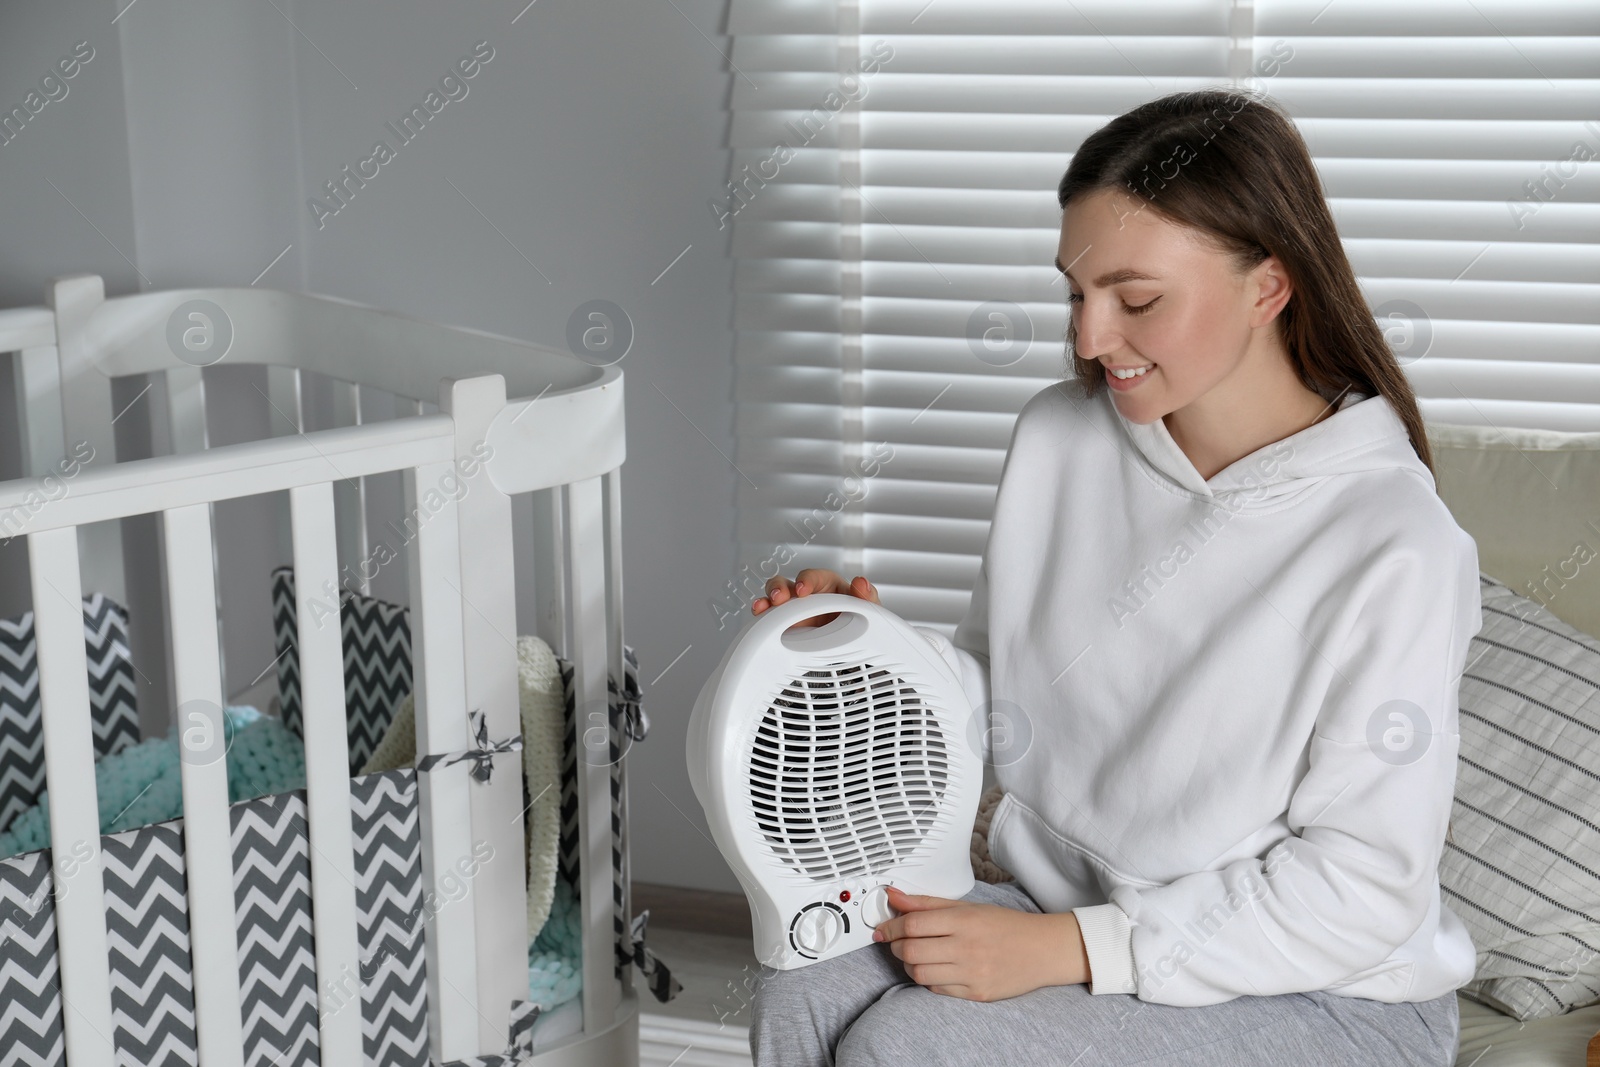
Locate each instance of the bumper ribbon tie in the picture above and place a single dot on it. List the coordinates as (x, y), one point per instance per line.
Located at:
(482, 752)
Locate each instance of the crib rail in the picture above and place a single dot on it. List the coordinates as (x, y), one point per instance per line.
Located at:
(181, 488)
(395, 353)
(556, 451)
(460, 664)
(328, 363)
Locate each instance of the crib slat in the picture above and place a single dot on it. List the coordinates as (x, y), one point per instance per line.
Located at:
(87, 418)
(587, 584)
(208, 855)
(186, 409)
(74, 811)
(440, 687)
(327, 748)
(284, 406)
(186, 432)
(489, 635)
(549, 569)
(284, 419)
(38, 388)
(350, 494)
(612, 481)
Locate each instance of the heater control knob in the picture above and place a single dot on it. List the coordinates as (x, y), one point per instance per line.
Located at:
(817, 927)
(875, 907)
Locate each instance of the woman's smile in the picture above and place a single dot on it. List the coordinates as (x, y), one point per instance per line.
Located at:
(1125, 378)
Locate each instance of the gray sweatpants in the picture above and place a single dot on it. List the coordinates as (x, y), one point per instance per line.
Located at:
(862, 1009)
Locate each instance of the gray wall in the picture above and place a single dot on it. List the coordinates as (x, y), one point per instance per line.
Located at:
(576, 167)
(64, 180)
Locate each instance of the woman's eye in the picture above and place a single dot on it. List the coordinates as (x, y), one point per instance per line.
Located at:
(1131, 309)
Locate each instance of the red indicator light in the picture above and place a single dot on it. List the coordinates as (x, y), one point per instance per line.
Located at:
(844, 894)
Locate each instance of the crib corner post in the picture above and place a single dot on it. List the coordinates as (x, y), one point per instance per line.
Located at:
(87, 417)
(489, 632)
(596, 631)
(85, 391)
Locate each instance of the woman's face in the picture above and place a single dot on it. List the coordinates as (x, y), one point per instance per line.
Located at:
(1146, 292)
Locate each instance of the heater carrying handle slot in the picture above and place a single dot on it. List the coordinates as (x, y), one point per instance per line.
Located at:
(845, 629)
(855, 618)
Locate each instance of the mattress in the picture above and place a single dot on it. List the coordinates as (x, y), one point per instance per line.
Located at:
(1490, 1038)
(557, 1024)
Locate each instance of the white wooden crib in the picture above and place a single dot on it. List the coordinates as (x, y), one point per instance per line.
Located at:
(556, 449)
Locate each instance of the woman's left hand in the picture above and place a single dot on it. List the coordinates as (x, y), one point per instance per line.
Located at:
(982, 951)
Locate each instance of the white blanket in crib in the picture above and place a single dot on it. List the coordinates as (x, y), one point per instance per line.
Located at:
(543, 723)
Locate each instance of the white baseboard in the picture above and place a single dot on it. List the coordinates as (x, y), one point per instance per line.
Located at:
(665, 1041)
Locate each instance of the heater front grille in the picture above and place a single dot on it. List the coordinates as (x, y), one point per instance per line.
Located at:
(848, 772)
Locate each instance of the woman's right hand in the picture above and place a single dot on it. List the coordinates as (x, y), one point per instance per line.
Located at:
(813, 580)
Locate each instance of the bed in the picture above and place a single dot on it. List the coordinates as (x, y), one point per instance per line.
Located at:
(1527, 497)
(543, 434)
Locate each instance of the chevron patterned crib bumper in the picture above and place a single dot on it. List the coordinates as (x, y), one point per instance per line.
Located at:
(113, 708)
(152, 992)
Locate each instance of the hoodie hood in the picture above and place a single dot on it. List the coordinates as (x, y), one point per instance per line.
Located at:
(1364, 434)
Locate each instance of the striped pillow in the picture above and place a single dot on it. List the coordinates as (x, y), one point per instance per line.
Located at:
(1522, 864)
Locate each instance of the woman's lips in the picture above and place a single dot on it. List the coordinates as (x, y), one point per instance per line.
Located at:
(1125, 384)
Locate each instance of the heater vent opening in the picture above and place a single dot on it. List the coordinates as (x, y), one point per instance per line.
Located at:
(848, 772)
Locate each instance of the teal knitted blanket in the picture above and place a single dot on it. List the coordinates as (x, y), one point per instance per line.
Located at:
(141, 785)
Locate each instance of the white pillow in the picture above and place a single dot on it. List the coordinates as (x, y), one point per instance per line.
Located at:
(1521, 866)
(1531, 501)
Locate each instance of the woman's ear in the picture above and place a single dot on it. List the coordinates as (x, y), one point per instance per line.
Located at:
(1273, 289)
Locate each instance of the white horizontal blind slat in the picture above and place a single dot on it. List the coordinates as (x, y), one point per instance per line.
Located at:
(1454, 141)
(862, 381)
(1424, 122)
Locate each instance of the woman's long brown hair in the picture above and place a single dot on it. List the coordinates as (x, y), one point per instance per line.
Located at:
(1231, 164)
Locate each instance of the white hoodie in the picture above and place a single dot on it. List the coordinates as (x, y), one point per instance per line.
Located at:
(1224, 712)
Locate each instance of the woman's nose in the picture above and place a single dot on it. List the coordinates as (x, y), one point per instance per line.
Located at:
(1096, 334)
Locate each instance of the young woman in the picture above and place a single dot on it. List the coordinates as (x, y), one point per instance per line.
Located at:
(1218, 630)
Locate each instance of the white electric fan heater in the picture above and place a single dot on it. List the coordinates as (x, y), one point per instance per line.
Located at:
(832, 762)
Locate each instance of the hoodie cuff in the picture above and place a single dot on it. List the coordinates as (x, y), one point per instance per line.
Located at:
(1108, 939)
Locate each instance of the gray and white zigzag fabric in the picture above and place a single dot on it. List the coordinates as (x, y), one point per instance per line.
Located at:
(376, 638)
(524, 1013)
(30, 978)
(111, 699)
(388, 860)
(272, 901)
(152, 988)
(657, 978)
(147, 933)
(272, 869)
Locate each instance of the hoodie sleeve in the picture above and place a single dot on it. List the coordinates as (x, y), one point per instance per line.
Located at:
(968, 653)
(1357, 876)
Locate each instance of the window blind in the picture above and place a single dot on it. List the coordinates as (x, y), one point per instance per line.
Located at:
(893, 218)
(1456, 145)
